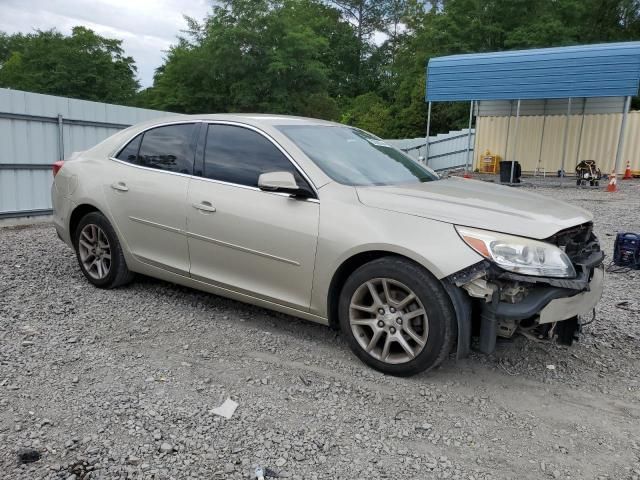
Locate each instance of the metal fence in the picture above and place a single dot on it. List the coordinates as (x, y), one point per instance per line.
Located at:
(446, 150)
(37, 130)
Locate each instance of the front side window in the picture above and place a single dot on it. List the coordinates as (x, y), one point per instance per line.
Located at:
(240, 155)
(167, 148)
(354, 157)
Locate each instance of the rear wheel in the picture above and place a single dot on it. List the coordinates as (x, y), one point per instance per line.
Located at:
(99, 253)
(397, 317)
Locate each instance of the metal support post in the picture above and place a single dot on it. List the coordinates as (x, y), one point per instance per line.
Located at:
(578, 150)
(617, 168)
(515, 142)
(506, 140)
(60, 138)
(564, 146)
(544, 124)
(426, 155)
(467, 161)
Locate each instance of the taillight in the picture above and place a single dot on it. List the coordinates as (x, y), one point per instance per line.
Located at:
(57, 166)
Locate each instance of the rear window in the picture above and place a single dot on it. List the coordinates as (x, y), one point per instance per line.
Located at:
(168, 148)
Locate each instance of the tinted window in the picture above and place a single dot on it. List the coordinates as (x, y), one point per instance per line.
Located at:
(353, 157)
(130, 152)
(239, 155)
(166, 148)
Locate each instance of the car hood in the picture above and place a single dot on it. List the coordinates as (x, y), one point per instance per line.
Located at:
(478, 204)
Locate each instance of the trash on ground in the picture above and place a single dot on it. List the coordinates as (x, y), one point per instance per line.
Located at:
(263, 473)
(225, 410)
(28, 455)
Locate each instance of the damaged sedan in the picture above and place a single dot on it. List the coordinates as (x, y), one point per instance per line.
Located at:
(329, 223)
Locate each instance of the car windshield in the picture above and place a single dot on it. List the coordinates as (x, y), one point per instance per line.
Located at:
(353, 157)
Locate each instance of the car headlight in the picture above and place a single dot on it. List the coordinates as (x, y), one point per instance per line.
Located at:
(518, 254)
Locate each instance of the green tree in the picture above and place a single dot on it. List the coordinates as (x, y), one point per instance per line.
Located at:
(320, 57)
(368, 112)
(83, 65)
(470, 26)
(261, 56)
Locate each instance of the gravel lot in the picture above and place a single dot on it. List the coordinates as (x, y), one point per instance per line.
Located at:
(120, 384)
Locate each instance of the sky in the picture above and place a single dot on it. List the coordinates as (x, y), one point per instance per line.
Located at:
(146, 27)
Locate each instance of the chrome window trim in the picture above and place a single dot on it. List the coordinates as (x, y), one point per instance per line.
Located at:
(221, 182)
(157, 170)
(117, 151)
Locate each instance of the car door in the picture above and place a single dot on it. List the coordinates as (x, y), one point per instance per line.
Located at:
(245, 239)
(146, 191)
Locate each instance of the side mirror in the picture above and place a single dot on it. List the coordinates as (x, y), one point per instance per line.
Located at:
(282, 182)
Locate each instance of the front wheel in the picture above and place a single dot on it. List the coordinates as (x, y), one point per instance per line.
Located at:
(99, 253)
(397, 317)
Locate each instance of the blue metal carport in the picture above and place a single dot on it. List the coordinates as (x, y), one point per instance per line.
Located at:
(601, 70)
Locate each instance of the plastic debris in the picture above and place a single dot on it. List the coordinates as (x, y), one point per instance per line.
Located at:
(225, 410)
(262, 474)
(551, 367)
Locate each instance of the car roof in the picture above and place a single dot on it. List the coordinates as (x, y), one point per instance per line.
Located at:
(248, 118)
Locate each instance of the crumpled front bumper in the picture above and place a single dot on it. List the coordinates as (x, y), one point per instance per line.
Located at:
(576, 305)
(547, 300)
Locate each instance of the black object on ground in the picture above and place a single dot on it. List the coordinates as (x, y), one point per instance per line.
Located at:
(28, 455)
(626, 250)
(505, 172)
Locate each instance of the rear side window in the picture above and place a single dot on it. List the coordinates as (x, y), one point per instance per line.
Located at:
(239, 155)
(130, 152)
(168, 148)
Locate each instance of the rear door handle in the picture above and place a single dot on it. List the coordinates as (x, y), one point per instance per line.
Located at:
(204, 207)
(120, 186)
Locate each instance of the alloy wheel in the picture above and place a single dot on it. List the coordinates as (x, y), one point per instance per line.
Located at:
(388, 320)
(95, 251)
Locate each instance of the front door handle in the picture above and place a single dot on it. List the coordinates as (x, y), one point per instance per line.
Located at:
(204, 207)
(120, 187)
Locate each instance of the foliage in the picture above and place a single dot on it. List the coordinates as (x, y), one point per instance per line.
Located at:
(259, 55)
(358, 61)
(82, 65)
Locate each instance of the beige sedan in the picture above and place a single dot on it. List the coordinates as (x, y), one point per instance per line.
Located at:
(329, 223)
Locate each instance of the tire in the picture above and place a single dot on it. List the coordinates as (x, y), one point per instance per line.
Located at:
(113, 272)
(434, 329)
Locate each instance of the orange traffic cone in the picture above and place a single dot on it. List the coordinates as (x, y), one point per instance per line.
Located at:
(627, 172)
(613, 183)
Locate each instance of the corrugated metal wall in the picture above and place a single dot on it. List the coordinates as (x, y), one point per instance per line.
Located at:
(553, 106)
(598, 141)
(30, 132)
(446, 150)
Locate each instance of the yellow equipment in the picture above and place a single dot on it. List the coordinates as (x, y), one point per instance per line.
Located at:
(488, 162)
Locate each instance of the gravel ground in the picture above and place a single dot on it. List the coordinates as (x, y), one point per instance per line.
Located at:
(121, 383)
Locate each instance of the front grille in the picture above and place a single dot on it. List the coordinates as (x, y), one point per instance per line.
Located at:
(578, 242)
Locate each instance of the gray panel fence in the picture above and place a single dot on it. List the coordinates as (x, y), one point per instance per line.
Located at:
(37, 130)
(446, 150)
